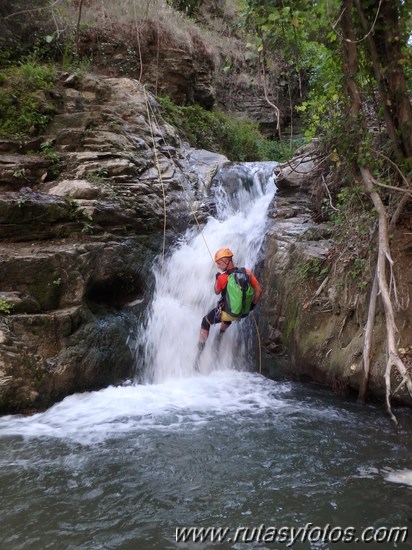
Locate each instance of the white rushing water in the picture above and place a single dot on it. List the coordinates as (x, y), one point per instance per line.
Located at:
(183, 295)
(124, 467)
(184, 286)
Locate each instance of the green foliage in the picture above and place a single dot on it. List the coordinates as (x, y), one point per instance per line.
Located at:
(322, 110)
(352, 208)
(298, 38)
(353, 221)
(357, 268)
(79, 214)
(23, 104)
(5, 307)
(47, 150)
(310, 38)
(313, 269)
(239, 139)
(23, 196)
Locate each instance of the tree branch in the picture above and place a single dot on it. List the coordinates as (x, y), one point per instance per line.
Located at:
(384, 256)
(32, 10)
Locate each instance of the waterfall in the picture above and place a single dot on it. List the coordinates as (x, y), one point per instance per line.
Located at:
(184, 279)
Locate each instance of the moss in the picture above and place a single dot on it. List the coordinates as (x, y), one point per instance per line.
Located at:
(34, 375)
(291, 319)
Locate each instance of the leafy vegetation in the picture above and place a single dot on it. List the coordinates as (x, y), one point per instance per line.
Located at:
(5, 307)
(238, 139)
(23, 103)
(47, 150)
(309, 37)
(357, 57)
(313, 269)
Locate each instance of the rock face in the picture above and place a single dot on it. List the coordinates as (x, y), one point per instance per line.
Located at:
(189, 69)
(181, 68)
(82, 212)
(314, 314)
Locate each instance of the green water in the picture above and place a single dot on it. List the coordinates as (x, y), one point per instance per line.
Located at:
(124, 467)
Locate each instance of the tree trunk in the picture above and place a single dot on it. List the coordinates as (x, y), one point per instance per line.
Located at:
(381, 27)
(384, 258)
(367, 345)
(79, 18)
(351, 59)
(384, 255)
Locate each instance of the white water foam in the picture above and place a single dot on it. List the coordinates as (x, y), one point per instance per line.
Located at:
(399, 476)
(92, 417)
(184, 286)
(173, 393)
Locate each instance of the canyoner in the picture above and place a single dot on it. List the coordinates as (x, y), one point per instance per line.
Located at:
(187, 284)
(240, 292)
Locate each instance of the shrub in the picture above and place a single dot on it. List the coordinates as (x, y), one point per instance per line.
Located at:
(238, 139)
(23, 104)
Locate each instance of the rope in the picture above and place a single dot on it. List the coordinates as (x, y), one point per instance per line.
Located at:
(150, 115)
(160, 176)
(189, 198)
(260, 346)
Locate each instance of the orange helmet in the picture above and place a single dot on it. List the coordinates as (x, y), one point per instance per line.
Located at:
(223, 253)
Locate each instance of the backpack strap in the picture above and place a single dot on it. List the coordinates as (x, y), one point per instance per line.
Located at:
(235, 270)
(242, 271)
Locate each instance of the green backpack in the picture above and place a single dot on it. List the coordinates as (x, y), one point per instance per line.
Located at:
(239, 293)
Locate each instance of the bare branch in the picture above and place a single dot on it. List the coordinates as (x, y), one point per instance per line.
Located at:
(32, 10)
(384, 256)
(405, 179)
(275, 107)
(374, 21)
(79, 17)
(329, 195)
(392, 187)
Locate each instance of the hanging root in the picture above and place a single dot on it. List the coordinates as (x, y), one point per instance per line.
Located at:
(368, 338)
(384, 259)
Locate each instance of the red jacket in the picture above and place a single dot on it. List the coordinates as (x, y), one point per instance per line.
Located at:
(221, 281)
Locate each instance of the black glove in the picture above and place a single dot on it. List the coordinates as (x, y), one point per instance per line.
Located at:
(217, 275)
(252, 306)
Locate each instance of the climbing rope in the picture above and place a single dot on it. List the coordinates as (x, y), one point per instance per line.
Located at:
(152, 116)
(156, 158)
(259, 343)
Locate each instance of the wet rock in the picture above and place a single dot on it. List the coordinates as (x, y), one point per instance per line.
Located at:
(78, 189)
(78, 238)
(299, 172)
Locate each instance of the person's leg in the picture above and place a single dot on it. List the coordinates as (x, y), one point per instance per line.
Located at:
(203, 336)
(211, 318)
(224, 325)
(201, 343)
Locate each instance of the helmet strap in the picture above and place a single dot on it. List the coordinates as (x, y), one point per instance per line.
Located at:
(227, 263)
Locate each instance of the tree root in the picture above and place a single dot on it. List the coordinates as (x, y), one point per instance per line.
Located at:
(384, 261)
(370, 324)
